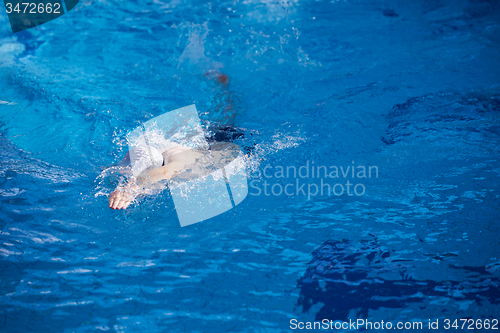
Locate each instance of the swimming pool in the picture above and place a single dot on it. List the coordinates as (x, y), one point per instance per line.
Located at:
(410, 89)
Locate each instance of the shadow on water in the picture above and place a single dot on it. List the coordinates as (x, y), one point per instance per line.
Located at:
(345, 278)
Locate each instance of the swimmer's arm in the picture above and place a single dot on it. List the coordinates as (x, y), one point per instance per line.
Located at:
(155, 175)
(123, 196)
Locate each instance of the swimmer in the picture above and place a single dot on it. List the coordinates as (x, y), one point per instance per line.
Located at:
(154, 167)
(173, 160)
(149, 166)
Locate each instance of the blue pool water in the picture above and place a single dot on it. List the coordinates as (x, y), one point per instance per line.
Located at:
(409, 87)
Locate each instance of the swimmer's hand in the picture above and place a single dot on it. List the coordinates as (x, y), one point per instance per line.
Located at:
(123, 196)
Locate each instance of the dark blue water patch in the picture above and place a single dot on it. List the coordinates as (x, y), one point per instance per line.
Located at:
(33, 307)
(389, 13)
(481, 8)
(10, 196)
(485, 103)
(465, 16)
(30, 189)
(481, 102)
(342, 281)
(443, 113)
(31, 39)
